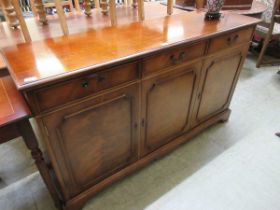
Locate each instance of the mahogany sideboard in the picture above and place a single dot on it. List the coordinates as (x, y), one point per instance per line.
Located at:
(107, 108)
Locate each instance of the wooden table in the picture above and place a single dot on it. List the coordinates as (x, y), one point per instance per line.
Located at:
(77, 23)
(256, 10)
(110, 101)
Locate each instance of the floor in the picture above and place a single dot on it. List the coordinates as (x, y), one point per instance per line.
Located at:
(169, 182)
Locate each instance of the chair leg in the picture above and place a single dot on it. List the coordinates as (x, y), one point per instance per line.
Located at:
(30, 140)
(77, 6)
(265, 44)
(22, 22)
(71, 7)
(61, 17)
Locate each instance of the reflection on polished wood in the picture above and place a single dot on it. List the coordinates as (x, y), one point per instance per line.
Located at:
(77, 23)
(40, 62)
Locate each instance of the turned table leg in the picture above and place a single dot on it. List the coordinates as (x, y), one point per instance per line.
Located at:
(30, 140)
(113, 14)
(61, 17)
(141, 14)
(9, 12)
(134, 3)
(104, 7)
(169, 7)
(77, 5)
(40, 10)
(22, 23)
(96, 4)
(87, 7)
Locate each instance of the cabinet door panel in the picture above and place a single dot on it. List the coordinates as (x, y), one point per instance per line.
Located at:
(167, 103)
(95, 138)
(220, 76)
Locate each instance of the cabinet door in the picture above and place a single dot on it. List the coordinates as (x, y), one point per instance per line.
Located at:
(93, 139)
(167, 102)
(218, 81)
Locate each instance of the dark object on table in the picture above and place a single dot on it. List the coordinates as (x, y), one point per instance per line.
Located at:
(212, 16)
(277, 134)
(229, 4)
(255, 10)
(213, 9)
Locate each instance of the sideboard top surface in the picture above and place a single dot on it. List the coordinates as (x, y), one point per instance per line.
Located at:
(40, 62)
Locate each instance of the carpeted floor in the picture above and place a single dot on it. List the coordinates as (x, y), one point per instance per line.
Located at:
(229, 166)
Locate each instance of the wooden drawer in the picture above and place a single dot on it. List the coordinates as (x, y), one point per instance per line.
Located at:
(172, 57)
(230, 40)
(50, 97)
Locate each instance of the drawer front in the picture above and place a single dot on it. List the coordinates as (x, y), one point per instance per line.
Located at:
(230, 40)
(172, 57)
(50, 97)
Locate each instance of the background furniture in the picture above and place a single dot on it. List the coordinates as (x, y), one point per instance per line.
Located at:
(9, 13)
(14, 17)
(97, 125)
(14, 122)
(256, 10)
(269, 31)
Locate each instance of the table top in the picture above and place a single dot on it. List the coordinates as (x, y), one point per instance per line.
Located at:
(77, 23)
(12, 105)
(41, 62)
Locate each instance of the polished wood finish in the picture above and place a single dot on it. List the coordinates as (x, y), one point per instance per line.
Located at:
(179, 55)
(161, 96)
(30, 63)
(12, 105)
(77, 23)
(130, 100)
(10, 13)
(98, 137)
(57, 95)
(219, 75)
(230, 40)
(2, 64)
